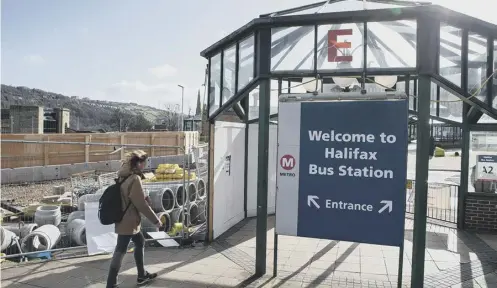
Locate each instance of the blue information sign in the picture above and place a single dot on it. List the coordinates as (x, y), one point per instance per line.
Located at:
(350, 167)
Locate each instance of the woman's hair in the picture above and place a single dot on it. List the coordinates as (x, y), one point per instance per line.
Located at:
(135, 157)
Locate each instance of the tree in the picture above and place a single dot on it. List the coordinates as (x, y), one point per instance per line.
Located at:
(117, 120)
(197, 111)
(171, 119)
(138, 123)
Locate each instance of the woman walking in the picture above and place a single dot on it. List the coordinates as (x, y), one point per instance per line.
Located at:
(129, 228)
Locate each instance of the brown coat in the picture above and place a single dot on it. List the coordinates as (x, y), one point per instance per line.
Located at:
(132, 190)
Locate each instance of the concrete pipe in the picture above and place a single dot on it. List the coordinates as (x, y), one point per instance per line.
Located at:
(147, 225)
(165, 217)
(48, 215)
(41, 239)
(21, 229)
(76, 230)
(177, 215)
(75, 215)
(181, 195)
(163, 200)
(201, 192)
(6, 238)
(87, 198)
(202, 212)
(193, 214)
(192, 192)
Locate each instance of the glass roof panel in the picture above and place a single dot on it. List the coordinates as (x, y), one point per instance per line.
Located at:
(344, 6)
(390, 44)
(292, 48)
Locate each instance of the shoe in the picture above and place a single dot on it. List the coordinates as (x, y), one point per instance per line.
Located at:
(147, 278)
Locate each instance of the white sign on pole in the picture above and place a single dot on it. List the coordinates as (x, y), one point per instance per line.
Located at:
(342, 160)
(486, 167)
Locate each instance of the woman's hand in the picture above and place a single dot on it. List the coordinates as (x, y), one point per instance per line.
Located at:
(159, 224)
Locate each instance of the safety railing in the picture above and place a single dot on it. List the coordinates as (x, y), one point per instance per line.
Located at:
(45, 208)
(442, 202)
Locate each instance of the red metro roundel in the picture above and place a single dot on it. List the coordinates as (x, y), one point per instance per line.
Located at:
(287, 162)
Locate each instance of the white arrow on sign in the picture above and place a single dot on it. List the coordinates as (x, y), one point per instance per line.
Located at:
(388, 204)
(312, 199)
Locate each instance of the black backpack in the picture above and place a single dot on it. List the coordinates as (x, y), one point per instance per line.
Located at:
(110, 205)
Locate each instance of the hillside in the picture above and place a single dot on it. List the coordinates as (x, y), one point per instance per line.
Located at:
(89, 114)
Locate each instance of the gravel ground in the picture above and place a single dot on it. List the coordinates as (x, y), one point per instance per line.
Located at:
(31, 193)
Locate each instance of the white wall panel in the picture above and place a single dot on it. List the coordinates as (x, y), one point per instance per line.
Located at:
(228, 200)
(252, 169)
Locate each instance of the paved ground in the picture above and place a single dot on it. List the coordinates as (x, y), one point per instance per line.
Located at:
(453, 259)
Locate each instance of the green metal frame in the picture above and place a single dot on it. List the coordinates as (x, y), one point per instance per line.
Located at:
(426, 72)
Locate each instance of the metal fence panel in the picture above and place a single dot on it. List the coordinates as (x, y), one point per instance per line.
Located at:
(442, 201)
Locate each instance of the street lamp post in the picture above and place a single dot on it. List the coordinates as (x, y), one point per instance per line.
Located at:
(182, 100)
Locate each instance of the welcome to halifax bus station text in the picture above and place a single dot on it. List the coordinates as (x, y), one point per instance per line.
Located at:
(368, 171)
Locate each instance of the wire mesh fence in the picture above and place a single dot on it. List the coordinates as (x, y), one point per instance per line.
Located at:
(43, 207)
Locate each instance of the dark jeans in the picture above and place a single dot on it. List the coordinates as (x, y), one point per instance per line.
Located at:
(120, 252)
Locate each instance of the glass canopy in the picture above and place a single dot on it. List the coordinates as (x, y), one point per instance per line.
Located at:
(356, 49)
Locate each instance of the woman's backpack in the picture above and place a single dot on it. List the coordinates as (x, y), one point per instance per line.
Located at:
(110, 210)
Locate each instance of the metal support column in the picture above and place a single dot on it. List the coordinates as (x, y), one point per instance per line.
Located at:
(263, 52)
(463, 186)
(490, 70)
(245, 105)
(427, 58)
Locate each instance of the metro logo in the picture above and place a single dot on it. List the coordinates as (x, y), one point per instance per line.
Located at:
(287, 162)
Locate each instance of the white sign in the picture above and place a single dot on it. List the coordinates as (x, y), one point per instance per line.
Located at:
(163, 239)
(99, 238)
(486, 167)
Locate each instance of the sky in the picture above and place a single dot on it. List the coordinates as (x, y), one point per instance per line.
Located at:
(129, 50)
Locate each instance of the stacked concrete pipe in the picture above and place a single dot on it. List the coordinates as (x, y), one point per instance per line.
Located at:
(165, 218)
(41, 239)
(181, 195)
(202, 212)
(193, 214)
(192, 192)
(163, 200)
(177, 215)
(200, 188)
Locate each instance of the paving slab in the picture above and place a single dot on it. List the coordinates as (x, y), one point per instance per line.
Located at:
(453, 259)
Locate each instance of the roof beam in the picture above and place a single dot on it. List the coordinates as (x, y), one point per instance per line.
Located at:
(463, 95)
(295, 9)
(236, 99)
(436, 118)
(448, 16)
